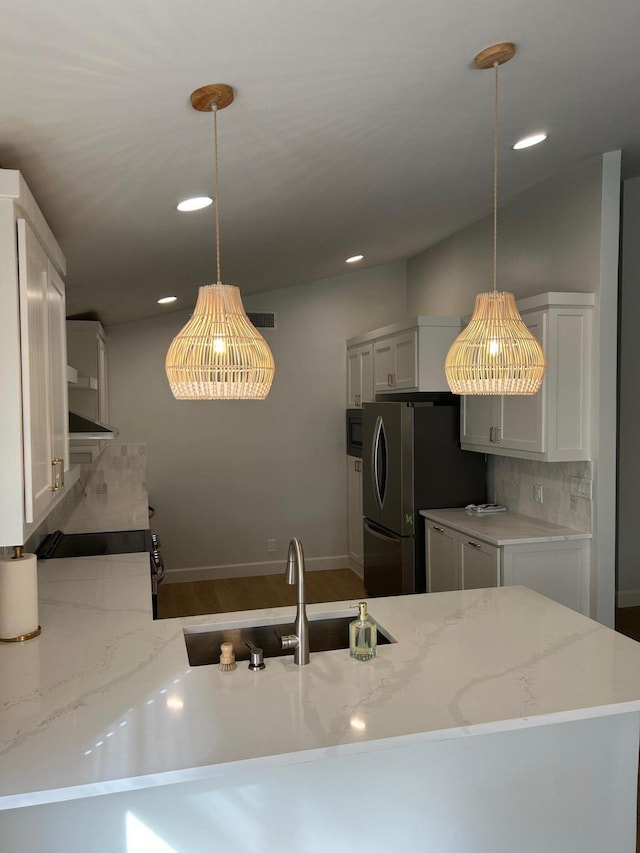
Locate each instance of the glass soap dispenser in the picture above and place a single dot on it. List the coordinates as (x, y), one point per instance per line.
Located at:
(363, 635)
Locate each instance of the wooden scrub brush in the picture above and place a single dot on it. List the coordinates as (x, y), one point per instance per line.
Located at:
(227, 657)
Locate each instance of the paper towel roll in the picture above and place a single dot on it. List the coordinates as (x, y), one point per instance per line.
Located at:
(18, 597)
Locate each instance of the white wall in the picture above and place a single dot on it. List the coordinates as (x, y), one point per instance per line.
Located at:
(629, 412)
(225, 476)
(560, 235)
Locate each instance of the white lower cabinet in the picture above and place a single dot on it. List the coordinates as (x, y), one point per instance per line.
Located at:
(458, 561)
(479, 562)
(557, 569)
(354, 504)
(443, 571)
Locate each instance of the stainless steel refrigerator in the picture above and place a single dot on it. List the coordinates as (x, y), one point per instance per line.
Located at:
(411, 461)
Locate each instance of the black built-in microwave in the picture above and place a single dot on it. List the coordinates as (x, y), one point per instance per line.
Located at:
(354, 432)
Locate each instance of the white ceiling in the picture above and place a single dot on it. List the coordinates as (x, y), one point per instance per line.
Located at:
(358, 126)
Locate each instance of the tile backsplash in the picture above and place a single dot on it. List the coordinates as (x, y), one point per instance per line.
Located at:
(513, 482)
(111, 494)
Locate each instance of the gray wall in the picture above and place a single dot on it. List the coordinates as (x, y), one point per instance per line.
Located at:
(559, 235)
(226, 476)
(548, 239)
(629, 413)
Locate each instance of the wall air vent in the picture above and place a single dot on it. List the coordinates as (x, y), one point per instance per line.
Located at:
(262, 320)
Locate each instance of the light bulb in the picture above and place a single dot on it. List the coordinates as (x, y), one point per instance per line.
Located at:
(219, 345)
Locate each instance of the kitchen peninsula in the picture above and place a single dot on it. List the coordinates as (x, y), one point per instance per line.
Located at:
(498, 720)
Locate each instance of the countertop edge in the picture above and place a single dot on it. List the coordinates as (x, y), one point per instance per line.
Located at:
(234, 769)
(471, 530)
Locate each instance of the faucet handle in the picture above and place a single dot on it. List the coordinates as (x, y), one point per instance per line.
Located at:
(257, 656)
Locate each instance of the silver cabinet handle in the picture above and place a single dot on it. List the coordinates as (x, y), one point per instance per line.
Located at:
(497, 438)
(473, 544)
(393, 380)
(358, 399)
(439, 529)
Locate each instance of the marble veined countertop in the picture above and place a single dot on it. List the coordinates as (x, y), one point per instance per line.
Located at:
(105, 700)
(502, 528)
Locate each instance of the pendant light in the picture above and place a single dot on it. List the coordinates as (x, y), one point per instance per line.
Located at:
(496, 353)
(218, 354)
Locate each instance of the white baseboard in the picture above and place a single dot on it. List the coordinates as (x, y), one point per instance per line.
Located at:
(628, 598)
(244, 570)
(356, 567)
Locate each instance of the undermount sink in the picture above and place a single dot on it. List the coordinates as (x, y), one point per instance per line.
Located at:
(203, 646)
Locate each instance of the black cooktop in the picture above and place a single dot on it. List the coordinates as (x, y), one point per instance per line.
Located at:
(59, 544)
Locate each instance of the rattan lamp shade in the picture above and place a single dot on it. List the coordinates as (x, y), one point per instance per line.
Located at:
(496, 353)
(219, 354)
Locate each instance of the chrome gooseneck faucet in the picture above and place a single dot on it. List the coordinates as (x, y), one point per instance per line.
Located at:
(295, 575)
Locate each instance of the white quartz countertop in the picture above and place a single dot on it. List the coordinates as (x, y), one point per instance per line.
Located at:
(105, 700)
(502, 528)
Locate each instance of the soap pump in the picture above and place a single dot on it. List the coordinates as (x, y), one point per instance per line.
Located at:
(363, 635)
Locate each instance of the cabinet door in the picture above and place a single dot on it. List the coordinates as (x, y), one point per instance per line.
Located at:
(524, 417)
(442, 565)
(354, 378)
(354, 503)
(103, 407)
(58, 367)
(479, 563)
(359, 375)
(34, 347)
(478, 416)
(383, 364)
(559, 570)
(366, 374)
(406, 361)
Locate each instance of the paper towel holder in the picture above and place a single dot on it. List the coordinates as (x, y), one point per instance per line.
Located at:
(17, 554)
(22, 637)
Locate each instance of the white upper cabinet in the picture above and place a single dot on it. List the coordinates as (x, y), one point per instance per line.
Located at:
(87, 353)
(407, 356)
(33, 428)
(359, 375)
(552, 425)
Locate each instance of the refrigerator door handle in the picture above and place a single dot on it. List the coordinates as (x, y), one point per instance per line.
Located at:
(374, 461)
(375, 532)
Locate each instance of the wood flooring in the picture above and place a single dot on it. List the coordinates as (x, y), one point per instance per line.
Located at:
(198, 598)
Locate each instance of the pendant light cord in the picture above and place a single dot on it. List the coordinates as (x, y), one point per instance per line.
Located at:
(496, 65)
(214, 108)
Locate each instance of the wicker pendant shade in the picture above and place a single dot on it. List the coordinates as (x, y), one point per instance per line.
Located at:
(496, 353)
(218, 354)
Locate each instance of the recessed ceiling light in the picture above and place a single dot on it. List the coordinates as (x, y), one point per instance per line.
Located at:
(195, 203)
(528, 141)
(165, 300)
(354, 259)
